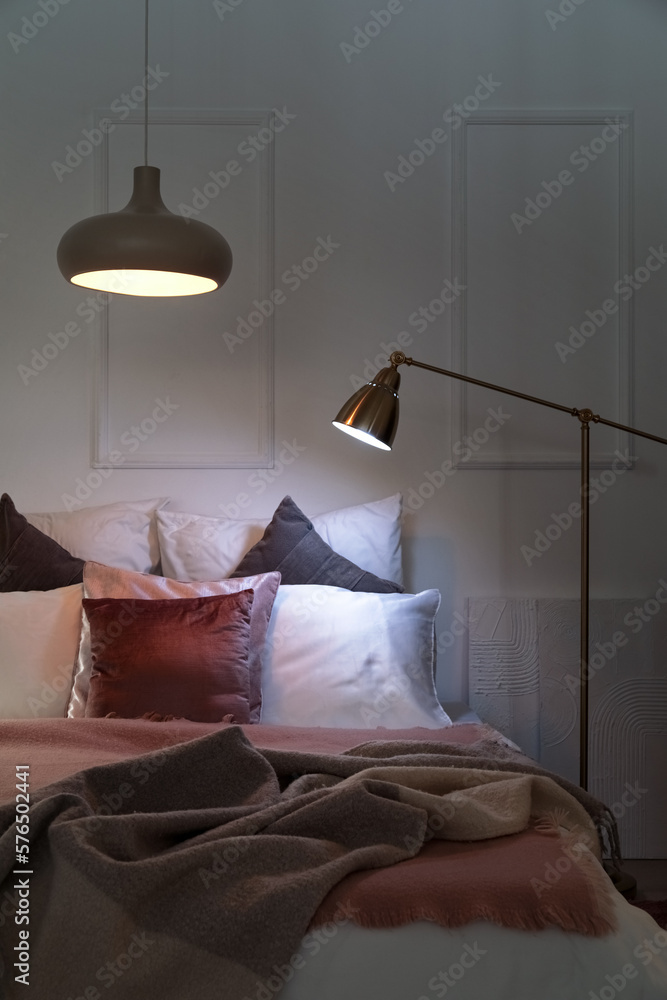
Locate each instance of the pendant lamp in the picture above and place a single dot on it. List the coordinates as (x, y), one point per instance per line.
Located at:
(144, 249)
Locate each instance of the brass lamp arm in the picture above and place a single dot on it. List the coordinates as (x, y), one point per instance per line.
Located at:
(585, 415)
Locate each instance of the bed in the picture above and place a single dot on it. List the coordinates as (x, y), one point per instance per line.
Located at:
(226, 773)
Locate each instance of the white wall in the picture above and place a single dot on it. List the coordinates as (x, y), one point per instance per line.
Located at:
(353, 120)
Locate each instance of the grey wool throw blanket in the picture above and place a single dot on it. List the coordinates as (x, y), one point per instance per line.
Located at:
(194, 872)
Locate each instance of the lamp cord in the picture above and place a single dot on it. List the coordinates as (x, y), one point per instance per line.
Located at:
(145, 87)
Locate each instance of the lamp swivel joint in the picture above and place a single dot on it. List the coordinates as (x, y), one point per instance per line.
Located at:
(586, 416)
(397, 358)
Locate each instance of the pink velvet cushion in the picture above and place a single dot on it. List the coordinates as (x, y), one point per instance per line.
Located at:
(109, 581)
(183, 657)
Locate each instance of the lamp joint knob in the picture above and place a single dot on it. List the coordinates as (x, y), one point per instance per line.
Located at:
(586, 415)
(397, 358)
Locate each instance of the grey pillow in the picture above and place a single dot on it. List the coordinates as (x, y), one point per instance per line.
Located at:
(29, 559)
(291, 546)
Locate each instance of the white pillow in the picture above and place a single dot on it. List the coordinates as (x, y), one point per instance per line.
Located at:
(338, 658)
(368, 534)
(197, 547)
(118, 534)
(39, 637)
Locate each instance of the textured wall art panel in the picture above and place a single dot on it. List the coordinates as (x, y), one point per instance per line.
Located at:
(523, 658)
(629, 752)
(504, 668)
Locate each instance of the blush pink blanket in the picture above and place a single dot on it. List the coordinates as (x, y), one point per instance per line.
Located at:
(55, 748)
(527, 881)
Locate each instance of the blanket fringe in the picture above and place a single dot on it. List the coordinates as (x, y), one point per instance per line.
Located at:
(599, 881)
(550, 916)
(608, 833)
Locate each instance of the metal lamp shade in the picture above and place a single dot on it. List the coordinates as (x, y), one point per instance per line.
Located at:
(371, 414)
(145, 249)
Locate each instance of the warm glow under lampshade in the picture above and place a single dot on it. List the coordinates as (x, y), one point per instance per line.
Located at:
(371, 414)
(145, 249)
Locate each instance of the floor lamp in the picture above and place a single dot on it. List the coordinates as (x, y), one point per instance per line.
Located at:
(371, 415)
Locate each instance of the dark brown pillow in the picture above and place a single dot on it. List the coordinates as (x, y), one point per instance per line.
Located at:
(29, 559)
(183, 657)
(291, 546)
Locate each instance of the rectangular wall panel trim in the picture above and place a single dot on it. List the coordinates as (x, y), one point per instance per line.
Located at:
(206, 357)
(547, 310)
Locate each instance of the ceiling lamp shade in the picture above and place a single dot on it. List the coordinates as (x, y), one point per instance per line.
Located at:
(371, 414)
(145, 249)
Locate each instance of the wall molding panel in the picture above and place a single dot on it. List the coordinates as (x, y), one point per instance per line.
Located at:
(535, 284)
(211, 356)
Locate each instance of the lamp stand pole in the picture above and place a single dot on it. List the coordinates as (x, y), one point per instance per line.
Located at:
(586, 417)
(584, 602)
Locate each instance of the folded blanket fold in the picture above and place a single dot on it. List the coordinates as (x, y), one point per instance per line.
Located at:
(492, 752)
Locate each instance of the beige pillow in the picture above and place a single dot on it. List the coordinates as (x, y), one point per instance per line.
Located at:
(39, 635)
